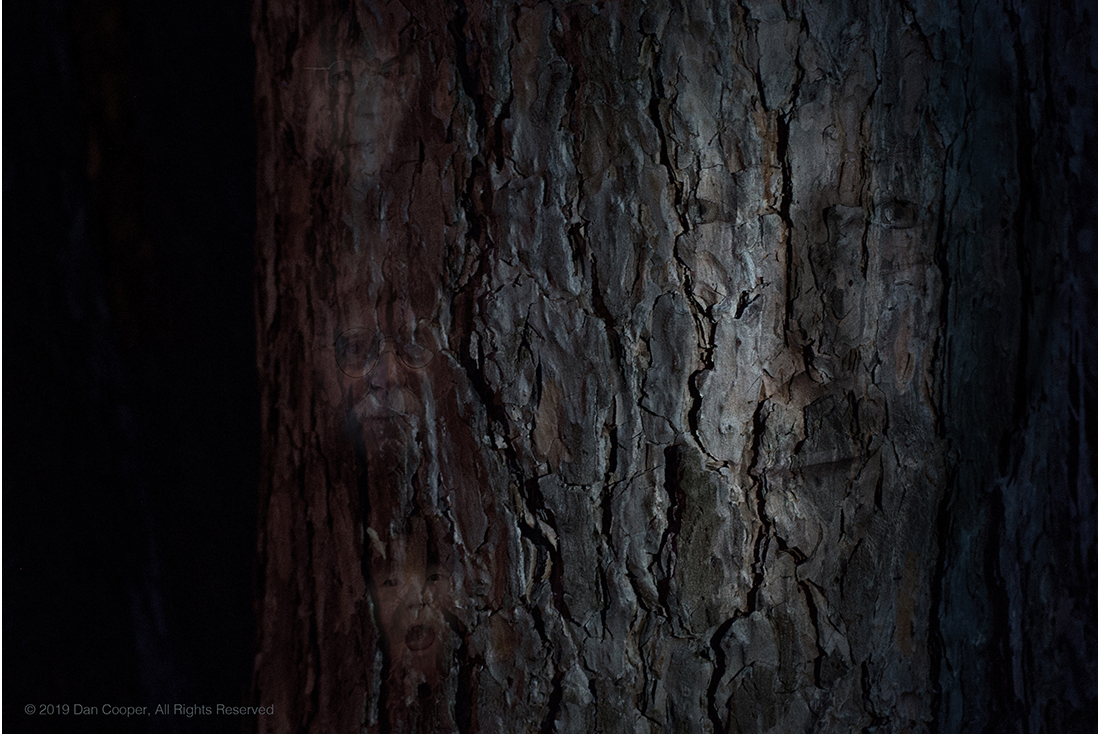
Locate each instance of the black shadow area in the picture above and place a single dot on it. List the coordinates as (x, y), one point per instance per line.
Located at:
(131, 410)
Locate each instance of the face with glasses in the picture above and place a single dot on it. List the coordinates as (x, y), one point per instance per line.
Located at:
(384, 364)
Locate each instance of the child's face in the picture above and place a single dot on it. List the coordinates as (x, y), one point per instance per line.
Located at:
(412, 593)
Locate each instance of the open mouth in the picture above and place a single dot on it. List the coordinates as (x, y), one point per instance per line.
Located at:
(419, 637)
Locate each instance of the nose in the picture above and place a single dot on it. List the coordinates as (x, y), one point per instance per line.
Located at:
(414, 596)
(387, 373)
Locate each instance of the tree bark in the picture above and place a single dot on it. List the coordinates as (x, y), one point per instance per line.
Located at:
(680, 340)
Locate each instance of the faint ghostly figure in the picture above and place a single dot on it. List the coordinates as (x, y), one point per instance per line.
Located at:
(389, 394)
(384, 361)
(418, 499)
(430, 549)
(413, 586)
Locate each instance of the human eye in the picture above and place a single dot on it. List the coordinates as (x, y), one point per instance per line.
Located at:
(416, 356)
(354, 349)
(341, 77)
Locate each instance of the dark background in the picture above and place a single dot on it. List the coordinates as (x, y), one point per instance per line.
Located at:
(131, 418)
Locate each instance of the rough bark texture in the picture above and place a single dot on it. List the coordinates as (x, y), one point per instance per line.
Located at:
(749, 330)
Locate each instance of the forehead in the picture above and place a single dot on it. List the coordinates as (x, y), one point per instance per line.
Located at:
(366, 32)
(415, 539)
(382, 315)
(401, 553)
(382, 301)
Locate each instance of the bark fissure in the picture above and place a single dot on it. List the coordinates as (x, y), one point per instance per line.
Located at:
(759, 488)
(720, 665)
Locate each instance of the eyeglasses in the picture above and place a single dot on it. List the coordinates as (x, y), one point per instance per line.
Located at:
(358, 350)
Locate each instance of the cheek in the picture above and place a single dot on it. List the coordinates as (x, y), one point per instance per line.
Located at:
(388, 605)
(396, 624)
(441, 597)
(351, 391)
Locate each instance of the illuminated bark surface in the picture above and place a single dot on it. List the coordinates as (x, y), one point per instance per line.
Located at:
(755, 366)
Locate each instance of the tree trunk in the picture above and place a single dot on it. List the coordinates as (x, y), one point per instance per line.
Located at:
(631, 368)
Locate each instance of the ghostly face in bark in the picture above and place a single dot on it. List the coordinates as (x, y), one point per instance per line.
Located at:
(384, 362)
(413, 590)
(357, 84)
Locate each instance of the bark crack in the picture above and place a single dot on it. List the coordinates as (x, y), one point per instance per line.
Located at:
(705, 324)
(720, 664)
(669, 541)
(758, 479)
(814, 623)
